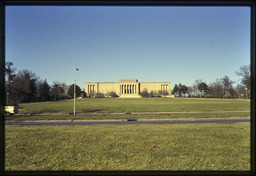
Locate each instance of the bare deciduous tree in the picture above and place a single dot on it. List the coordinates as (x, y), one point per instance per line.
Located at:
(245, 72)
(227, 84)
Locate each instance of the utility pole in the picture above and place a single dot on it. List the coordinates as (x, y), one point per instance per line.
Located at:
(75, 69)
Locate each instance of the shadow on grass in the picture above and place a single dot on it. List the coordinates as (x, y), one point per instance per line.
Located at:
(91, 110)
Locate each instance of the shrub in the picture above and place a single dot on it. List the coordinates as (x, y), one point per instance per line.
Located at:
(112, 94)
(152, 94)
(83, 94)
(91, 95)
(209, 96)
(99, 95)
(144, 94)
(228, 96)
(162, 93)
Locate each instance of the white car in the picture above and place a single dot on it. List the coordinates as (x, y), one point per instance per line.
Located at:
(10, 110)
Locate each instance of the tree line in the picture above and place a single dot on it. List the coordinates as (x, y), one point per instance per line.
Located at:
(26, 86)
(221, 88)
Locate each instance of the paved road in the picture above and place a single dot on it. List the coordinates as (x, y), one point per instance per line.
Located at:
(120, 122)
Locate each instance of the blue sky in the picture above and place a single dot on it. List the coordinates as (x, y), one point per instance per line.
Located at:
(152, 44)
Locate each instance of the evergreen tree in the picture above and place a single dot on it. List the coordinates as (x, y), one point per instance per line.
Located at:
(25, 87)
(175, 89)
(203, 88)
(179, 90)
(56, 92)
(44, 91)
(71, 91)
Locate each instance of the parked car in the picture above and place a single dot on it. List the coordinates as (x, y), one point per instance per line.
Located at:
(10, 110)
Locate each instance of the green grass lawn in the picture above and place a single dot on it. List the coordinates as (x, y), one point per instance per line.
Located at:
(99, 108)
(135, 147)
(88, 105)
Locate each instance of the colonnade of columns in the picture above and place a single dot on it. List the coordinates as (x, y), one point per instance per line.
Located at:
(128, 89)
(125, 88)
(91, 89)
(164, 87)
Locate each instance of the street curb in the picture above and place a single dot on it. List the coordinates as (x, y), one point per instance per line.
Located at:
(122, 113)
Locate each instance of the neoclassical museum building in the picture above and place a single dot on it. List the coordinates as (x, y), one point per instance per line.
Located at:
(127, 88)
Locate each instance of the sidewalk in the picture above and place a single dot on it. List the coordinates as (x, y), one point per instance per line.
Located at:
(124, 120)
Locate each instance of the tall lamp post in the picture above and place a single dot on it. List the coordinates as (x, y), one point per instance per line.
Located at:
(7, 98)
(75, 69)
(246, 94)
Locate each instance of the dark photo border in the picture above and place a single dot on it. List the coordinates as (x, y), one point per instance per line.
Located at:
(241, 3)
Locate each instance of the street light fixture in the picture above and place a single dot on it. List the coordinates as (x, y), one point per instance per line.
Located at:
(75, 69)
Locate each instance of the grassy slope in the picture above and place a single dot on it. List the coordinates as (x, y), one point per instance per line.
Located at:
(176, 108)
(136, 105)
(141, 147)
